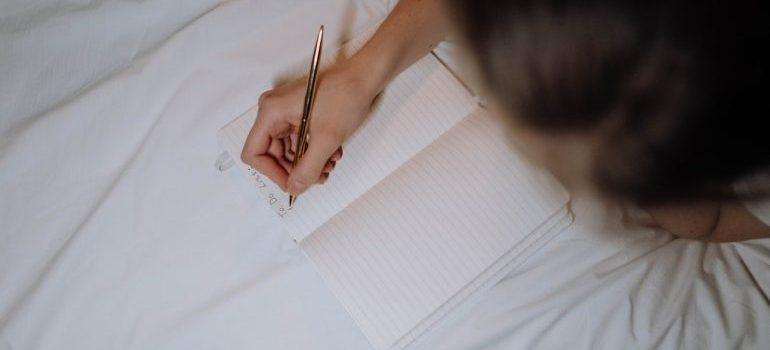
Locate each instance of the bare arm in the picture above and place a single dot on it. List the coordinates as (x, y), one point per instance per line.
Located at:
(344, 97)
(709, 221)
(412, 29)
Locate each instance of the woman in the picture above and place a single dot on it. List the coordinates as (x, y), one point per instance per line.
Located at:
(656, 104)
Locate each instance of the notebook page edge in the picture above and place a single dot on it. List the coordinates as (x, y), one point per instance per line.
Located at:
(470, 106)
(507, 263)
(269, 189)
(266, 187)
(561, 197)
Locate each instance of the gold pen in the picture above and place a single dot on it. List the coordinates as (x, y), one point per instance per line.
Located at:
(303, 136)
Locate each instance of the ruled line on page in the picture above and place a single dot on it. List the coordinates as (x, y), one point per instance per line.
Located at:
(417, 107)
(419, 237)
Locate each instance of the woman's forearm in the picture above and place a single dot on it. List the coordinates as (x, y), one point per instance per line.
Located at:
(412, 29)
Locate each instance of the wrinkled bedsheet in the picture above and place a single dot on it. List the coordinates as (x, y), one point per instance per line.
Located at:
(117, 232)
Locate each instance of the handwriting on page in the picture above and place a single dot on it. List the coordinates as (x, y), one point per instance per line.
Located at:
(417, 107)
(276, 201)
(233, 136)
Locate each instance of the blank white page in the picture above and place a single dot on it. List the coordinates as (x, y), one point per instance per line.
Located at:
(420, 237)
(417, 107)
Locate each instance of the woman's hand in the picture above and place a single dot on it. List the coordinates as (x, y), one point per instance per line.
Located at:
(343, 99)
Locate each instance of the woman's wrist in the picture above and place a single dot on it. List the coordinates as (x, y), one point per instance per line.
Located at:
(411, 30)
(369, 73)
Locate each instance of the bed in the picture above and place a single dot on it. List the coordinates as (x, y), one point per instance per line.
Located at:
(117, 231)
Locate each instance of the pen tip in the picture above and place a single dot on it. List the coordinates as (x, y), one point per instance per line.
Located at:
(291, 200)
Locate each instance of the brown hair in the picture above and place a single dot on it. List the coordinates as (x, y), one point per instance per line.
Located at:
(677, 88)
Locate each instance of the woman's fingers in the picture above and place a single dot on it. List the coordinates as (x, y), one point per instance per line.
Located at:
(271, 145)
(285, 156)
(269, 166)
(310, 167)
(260, 150)
(329, 167)
(288, 149)
(277, 150)
(337, 155)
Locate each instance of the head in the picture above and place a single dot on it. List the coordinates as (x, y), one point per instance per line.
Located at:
(642, 101)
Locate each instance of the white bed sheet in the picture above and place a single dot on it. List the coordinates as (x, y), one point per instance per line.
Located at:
(116, 231)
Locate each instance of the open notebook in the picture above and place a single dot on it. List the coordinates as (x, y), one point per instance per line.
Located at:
(428, 205)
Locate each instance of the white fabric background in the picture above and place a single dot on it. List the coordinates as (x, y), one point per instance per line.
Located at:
(116, 231)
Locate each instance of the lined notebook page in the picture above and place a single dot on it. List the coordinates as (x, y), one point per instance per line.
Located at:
(417, 239)
(417, 107)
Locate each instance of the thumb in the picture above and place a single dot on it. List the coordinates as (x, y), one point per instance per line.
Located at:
(312, 163)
